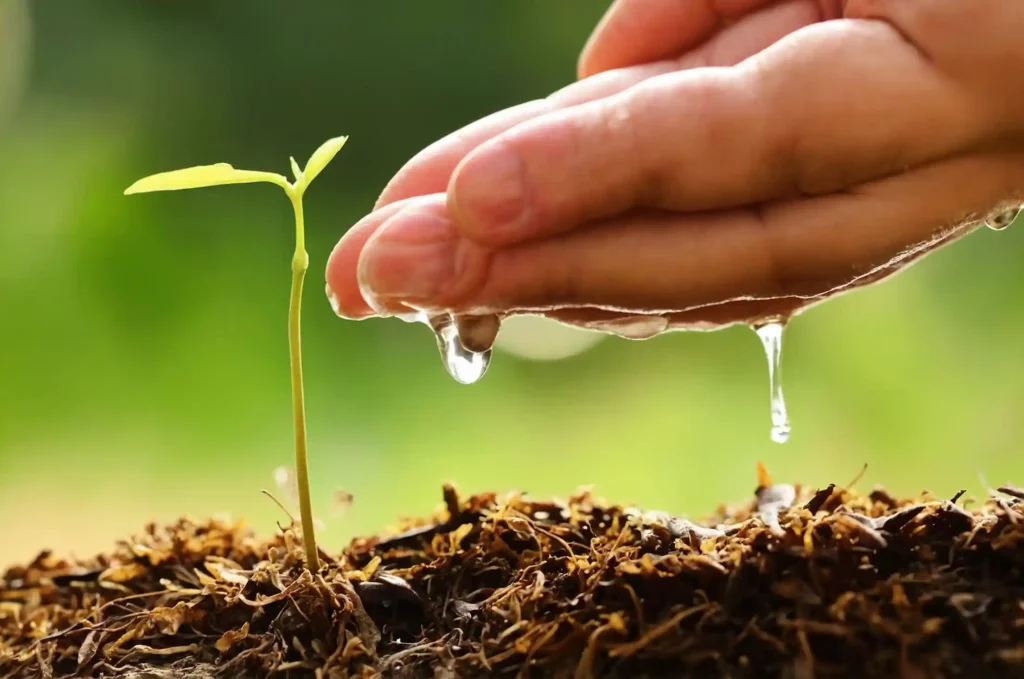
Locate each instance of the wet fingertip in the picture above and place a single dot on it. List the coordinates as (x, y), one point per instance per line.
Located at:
(347, 298)
(346, 312)
(332, 299)
(382, 307)
(339, 281)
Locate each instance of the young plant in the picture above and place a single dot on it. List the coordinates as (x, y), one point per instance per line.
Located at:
(221, 174)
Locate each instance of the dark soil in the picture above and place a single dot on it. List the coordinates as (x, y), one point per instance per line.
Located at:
(797, 583)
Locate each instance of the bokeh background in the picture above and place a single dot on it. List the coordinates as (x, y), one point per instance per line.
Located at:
(143, 355)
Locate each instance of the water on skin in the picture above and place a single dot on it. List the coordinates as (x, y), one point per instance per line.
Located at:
(634, 327)
(771, 337)
(1000, 220)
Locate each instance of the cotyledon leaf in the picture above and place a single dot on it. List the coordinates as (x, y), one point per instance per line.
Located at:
(322, 156)
(203, 176)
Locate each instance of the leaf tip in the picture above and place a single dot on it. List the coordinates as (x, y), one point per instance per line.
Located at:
(134, 188)
(323, 155)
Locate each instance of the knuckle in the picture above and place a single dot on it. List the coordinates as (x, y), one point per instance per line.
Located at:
(688, 108)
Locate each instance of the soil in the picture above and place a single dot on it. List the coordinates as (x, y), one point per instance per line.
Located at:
(796, 583)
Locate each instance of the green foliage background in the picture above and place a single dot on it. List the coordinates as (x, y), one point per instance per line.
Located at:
(144, 372)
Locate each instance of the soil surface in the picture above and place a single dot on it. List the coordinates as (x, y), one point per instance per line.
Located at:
(797, 583)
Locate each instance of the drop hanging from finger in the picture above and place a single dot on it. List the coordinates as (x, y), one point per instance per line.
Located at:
(1001, 219)
(464, 365)
(770, 332)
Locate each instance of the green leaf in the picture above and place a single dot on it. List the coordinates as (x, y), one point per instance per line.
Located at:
(322, 156)
(203, 176)
(296, 172)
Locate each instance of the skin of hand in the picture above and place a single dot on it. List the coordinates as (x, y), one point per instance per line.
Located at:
(718, 162)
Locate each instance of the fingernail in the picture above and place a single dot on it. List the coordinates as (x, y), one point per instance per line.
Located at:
(412, 259)
(490, 191)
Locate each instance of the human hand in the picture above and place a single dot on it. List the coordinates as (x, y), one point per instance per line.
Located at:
(726, 185)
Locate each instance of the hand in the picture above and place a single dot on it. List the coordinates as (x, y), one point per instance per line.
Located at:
(778, 161)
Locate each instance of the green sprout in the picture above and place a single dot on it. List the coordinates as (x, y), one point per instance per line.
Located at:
(221, 174)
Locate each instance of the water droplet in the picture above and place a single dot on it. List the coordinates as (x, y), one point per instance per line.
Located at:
(633, 327)
(771, 337)
(414, 317)
(1000, 219)
(465, 366)
(333, 299)
(477, 333)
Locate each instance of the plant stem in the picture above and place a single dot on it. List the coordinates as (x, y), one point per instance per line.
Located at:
(300, 262)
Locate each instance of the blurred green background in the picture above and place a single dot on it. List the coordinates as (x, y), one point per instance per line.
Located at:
(144, 372)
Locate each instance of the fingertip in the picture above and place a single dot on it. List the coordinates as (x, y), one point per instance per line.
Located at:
(634, 32)
(425, 173)
(549, 175)
(341, 275)
(430, 170)
(385, 196)
(341, 287)
(585, 64)
(418, 260)
(412, 258)
(596, 47)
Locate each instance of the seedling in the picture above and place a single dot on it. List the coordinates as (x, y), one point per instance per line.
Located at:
(221, 174)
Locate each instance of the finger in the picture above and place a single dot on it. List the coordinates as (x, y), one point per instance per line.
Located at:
(834, 104)
(419, 251)
(342, 285)
(663, 262)
(808, 248)
(641, 31)
(431, 169)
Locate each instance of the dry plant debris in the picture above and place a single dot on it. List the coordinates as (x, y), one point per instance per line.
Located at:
(796, 584)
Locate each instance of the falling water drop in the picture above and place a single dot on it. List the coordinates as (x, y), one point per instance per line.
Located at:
(1000, 219)
(465, 366)
(771, 337)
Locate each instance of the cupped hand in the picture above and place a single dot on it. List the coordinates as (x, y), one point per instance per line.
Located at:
(723, 163)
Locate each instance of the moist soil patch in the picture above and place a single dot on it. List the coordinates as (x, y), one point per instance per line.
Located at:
(796, 583)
